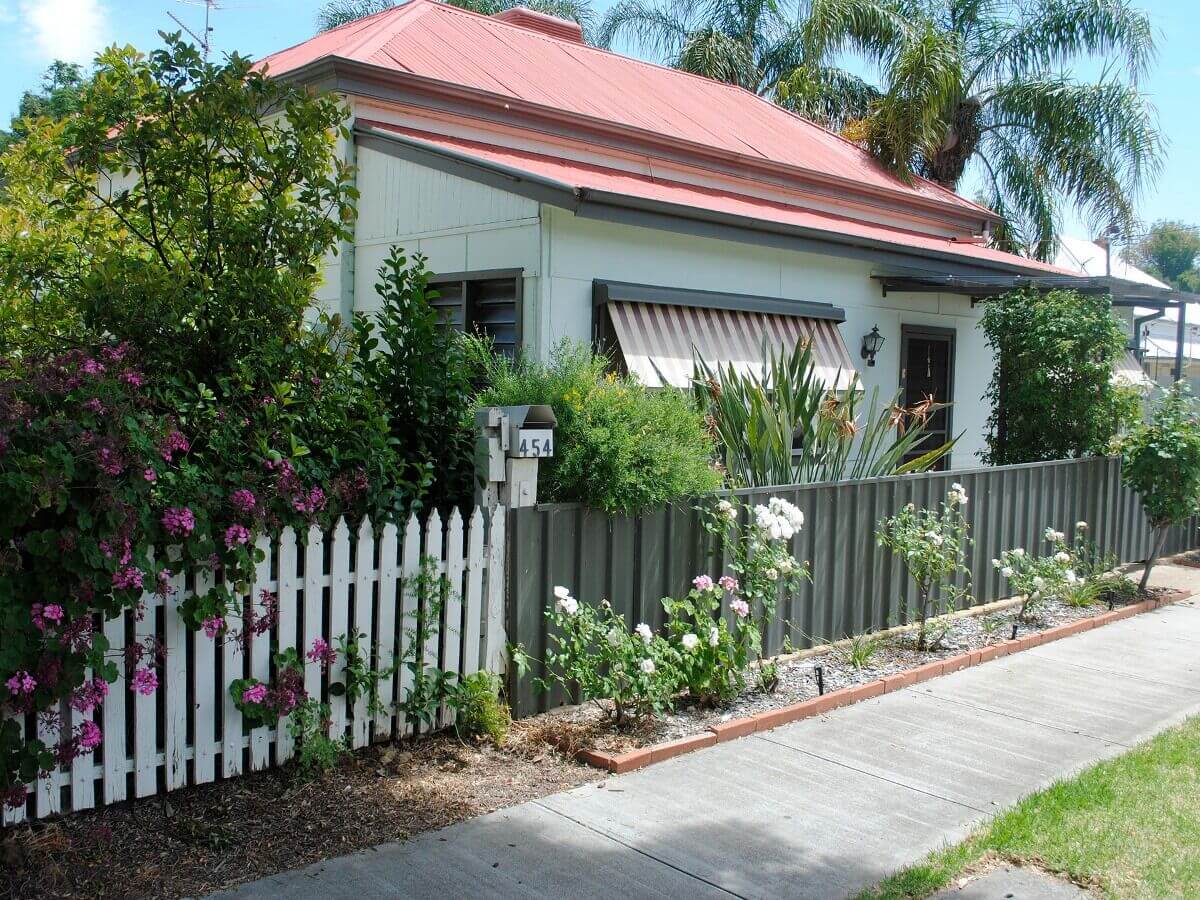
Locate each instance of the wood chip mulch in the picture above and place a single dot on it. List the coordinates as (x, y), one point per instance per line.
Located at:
(202, 839)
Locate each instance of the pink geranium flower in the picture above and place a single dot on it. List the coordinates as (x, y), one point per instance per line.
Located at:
(702, 583)
(255, 694)
(144, 682)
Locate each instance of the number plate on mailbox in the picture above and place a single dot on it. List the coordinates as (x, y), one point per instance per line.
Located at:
(535, 442)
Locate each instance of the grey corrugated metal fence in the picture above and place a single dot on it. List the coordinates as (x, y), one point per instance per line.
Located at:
(634, 561)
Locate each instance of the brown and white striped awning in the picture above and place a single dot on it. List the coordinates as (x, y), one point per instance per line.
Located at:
(659, 342)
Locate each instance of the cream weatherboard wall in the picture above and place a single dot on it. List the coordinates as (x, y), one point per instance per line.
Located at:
(462, 226)
(575, 251)
(458, 225)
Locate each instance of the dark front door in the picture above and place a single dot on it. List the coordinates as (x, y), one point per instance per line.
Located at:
(927, 373)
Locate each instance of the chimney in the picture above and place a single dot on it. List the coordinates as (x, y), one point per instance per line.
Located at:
(562, 29)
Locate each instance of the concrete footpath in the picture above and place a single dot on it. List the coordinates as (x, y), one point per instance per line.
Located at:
(821, 808)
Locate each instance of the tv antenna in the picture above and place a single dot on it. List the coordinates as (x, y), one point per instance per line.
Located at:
(205, 42)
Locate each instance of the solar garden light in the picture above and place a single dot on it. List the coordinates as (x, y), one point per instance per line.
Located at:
(1015, 626)
(872, 342)
(820, 670)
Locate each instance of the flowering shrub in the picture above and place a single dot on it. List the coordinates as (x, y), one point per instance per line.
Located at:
(1040, 578)
(641, 672)
(628, 674)
(933, 544)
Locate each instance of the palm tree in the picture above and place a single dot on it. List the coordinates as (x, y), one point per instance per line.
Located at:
(752, 43)
(985, 83)
(339, 12)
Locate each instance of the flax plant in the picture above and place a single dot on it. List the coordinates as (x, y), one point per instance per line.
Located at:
(787, 426)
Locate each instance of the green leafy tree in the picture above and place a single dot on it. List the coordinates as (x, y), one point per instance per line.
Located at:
(1161, 461)
(752, 44)
(420, 371)
(1051, 391)
(58, 97)
(1169, 251)
(336, 13)
(990, 84)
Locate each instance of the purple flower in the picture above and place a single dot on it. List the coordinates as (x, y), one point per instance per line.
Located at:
(243, 501)
(212, 626)
(21, 683)
(90, 736)
(179, 521)
(92, 367)
(40, 614)
(322, 653)
(172, 444)
(150, 475)
(702, 583)
(255, 694)
(740, 608)
(127, 579)
(131, 378)
(235, 535)
(94, 405)
(144, 681)
(89, 695)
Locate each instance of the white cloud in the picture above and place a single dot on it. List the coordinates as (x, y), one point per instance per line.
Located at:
(71, 30)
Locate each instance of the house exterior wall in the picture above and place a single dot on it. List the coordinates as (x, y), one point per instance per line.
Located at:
(462, 226)
(576, 251)
(458, 225)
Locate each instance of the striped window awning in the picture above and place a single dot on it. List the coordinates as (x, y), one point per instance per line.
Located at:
(659, 342)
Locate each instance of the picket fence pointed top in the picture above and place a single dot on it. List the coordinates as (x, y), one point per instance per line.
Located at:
(365, 529)
(341, 528)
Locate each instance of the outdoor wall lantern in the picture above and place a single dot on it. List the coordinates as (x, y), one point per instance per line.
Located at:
(871, 345)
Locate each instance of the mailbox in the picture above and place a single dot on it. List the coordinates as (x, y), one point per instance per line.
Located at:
(511, 441)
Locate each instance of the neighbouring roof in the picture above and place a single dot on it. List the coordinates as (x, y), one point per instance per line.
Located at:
(520, 68)
(1083, 255)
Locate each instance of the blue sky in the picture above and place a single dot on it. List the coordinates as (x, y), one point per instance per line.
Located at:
(34, 32)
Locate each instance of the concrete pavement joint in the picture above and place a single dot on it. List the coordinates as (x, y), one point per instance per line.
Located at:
(927, 693)
(644, 853)
(1173, 685)
(875, 775)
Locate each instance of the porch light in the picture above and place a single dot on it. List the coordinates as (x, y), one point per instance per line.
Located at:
(871, 344)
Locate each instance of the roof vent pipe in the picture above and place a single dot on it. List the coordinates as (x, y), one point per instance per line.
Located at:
(523, 17)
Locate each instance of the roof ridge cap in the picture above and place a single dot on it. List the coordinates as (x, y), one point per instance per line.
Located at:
(353, 23)
(395, 13)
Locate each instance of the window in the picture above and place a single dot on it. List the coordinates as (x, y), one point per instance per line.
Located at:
(485, 303)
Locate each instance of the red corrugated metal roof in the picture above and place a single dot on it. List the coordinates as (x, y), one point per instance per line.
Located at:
(575, 174)
(441, 42)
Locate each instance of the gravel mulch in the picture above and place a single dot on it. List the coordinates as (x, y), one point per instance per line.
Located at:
(201, 839)
(588, 726)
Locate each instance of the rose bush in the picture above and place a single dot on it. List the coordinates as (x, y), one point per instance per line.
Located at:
(1040, 578)
(932, 543)
(710, 638)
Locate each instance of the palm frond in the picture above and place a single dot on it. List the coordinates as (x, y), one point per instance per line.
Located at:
(336, 13)
(1054, 32)
(717, 55)
(648, 26)
(829, 96)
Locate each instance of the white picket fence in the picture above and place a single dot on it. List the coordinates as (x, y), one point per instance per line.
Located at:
(190, 732)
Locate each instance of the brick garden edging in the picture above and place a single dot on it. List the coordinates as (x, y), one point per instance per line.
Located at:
(619, 763)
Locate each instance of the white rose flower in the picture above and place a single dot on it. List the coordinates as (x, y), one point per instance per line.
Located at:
(956, 487)
(1038, 582)
(690, 642)
(1062, 557)
(727, 510)
(787, 565)
(1018, 553)
(771, 574)
(648, 666)
(1081, 526)
(1071, 577)
(714, 636)
(561, 592)
(644, 632)
(996, 564)
(568, 605)
(1007, 571)
(615, 636)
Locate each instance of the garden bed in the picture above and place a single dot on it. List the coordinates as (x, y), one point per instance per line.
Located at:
(198, 840)
(588, 733)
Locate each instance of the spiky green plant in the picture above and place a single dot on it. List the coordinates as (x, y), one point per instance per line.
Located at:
(788, 426)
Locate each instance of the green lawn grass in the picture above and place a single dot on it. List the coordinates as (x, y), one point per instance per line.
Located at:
(1130, 826)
